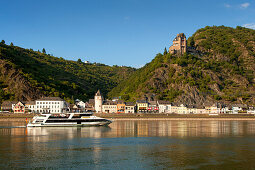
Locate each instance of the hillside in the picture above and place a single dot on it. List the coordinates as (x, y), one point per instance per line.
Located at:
(223, 70)
(26, 75)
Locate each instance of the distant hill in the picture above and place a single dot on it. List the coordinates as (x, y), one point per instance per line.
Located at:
(223, 70)
(26, 75)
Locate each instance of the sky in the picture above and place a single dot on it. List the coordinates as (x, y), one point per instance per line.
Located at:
(114, 32)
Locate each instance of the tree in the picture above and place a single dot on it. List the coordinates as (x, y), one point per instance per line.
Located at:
(11, 44)
(2, 42)
(192, 42)
(165, 51)
(79, 60)
(44, 51)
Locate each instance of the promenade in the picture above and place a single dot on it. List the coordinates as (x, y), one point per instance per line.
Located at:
(119, 117)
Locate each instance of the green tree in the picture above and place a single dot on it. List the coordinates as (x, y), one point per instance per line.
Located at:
(192, 42)
(11, 44)
(44, 51)
(165, 51)
(2, 42)
(79, 60)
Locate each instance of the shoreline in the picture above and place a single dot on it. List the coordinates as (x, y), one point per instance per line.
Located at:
(186, 119)
(142, 117)
(150, 119)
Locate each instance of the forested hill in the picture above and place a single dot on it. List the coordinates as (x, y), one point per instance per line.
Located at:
(26, 75)
(222, 69)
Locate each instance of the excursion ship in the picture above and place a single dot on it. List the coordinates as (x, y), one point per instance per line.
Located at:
(68, 119)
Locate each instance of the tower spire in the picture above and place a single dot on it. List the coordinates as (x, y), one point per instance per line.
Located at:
(98, 93)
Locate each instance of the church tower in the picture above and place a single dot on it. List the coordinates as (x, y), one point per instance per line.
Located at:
(98, 102)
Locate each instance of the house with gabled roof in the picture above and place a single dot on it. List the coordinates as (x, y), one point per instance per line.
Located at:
(109, 107)
(153, 107)
(164, 106)
(130, 107)
(81, 105)
(120, 106)
(7, 106)
(19, 107)
(182, 109)
(142, 106)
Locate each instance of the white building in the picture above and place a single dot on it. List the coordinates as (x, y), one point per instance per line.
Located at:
(109, 107)
(81, 104)
(164, 106)
(251, 110)
(182, 109)
(191, 109)
(130, 107)
(201, 110)
(50, 105)
(30, 106)
(98, 102)
(238, 108)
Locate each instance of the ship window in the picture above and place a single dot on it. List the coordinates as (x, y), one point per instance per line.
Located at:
(39, 121)
(78, 121)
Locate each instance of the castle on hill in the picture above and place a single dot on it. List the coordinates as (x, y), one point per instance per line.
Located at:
(179, 46)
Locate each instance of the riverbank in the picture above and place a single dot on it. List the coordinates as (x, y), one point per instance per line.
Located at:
(115, 117)
(176, 117)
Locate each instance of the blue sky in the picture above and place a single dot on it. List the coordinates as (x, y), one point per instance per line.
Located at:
(113, 32)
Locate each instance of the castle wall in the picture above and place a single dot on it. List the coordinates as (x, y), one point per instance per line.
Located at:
(179, 45)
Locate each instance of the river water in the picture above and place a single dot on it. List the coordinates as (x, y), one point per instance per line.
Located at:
(130, 145)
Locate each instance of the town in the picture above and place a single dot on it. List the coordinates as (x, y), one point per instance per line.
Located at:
(118, 106)
(56, 105)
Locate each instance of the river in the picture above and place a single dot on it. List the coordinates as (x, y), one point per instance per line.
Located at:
(130, 144)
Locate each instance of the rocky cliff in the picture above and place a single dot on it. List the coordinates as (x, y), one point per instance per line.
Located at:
(222, 70)
(26, 75)
(16, 85)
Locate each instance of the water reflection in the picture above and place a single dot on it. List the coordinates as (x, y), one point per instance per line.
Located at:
(181, 128)
(135, 129)
(130, 145)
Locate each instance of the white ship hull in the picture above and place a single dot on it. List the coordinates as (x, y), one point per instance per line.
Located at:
(68, 124)
(47, 120)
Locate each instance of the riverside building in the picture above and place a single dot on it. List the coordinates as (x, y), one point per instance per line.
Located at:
(98, 102)
(130, 107)
(51, 105)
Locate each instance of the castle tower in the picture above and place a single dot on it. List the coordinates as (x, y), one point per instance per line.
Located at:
(98, 102)
(179, 45)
